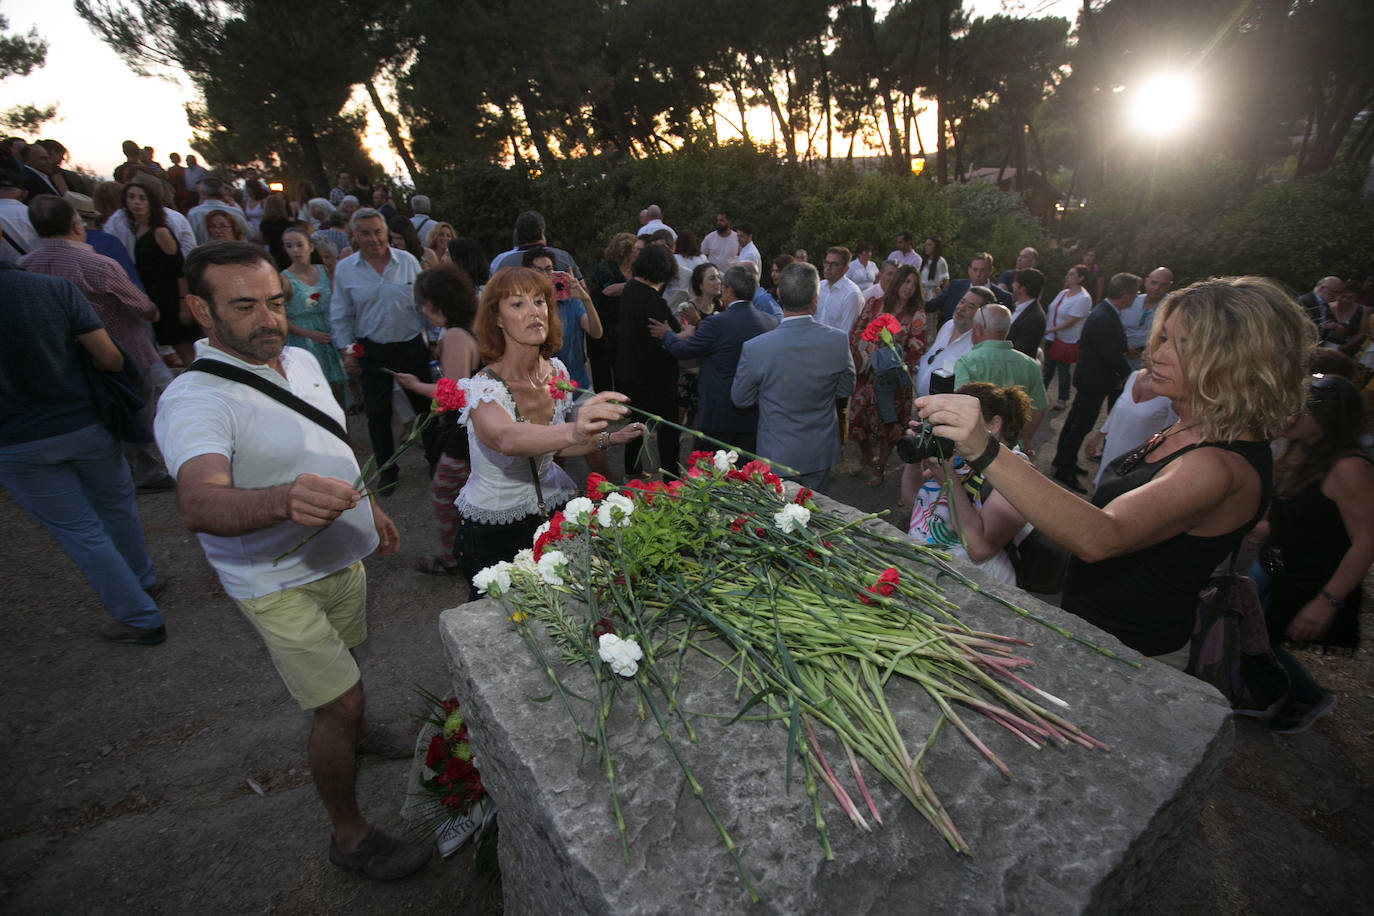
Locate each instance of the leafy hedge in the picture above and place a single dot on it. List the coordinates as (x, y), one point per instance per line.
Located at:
(1200, 220)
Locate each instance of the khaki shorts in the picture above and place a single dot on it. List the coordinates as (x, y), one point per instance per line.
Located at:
(309, 630)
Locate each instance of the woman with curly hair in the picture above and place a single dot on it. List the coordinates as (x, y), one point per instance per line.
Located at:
(1229, 353)
(982, 518)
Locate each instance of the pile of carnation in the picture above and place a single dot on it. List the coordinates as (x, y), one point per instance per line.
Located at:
(808, 611)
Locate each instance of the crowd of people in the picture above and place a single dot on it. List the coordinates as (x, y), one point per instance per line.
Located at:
(248, 325)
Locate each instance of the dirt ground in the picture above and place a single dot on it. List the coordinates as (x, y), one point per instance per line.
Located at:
(126, 788)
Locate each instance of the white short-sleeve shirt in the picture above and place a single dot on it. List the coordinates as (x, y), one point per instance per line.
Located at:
(267, 444)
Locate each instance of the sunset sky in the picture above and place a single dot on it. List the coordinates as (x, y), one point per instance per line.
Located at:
(101, 103)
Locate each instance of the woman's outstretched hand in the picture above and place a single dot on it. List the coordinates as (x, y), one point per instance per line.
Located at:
(597, 412)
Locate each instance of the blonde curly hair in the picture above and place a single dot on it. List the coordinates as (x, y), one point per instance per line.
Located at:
(1243, 343)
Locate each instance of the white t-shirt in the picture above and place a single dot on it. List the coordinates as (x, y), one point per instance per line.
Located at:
(838, 304)
(267, 444)
(720, 250)
(750, 252)
(1131, 423)
(1062, 308)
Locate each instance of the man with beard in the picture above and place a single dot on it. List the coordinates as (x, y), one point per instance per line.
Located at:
(954, 339)
(722, 246)
(247, 433)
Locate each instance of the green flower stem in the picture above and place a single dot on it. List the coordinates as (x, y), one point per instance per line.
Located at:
(417, 426)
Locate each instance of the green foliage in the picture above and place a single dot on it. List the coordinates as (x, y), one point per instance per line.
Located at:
(480, 201)
(20, 55)
(1215, 220)
(26, 119)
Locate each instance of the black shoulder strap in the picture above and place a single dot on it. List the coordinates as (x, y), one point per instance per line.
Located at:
(13, 242)
(275, 392)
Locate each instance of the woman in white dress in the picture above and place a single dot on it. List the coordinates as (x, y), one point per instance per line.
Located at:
(1064, 326)
(516, 424)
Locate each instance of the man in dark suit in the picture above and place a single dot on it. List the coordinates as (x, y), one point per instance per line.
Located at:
(1318, 302)
(942, 307)
(717, 342)
(1027, 315)
(795, 374)
(1101, 369)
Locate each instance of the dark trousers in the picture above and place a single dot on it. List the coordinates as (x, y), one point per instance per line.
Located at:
(739, 441)
(1064, 370)
(406, 356)
(1087, 403)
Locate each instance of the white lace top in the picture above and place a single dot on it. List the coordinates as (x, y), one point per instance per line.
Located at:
(500, 489)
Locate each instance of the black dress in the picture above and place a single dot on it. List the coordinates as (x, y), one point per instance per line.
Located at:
(160, 272)
(646, 372)
(1148, 598)
(1309, 532)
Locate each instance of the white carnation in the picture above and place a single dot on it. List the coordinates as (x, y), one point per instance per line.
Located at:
(791, 517)
(523, 562)
(541, 531)
(579, 511)
(552, 565)
(724, 460)
(622, 655)
(494, 580)
(615, 510)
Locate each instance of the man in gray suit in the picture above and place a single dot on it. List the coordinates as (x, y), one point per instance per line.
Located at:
(795, 374)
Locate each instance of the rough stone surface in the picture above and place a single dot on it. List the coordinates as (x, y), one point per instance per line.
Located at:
(1072, 830)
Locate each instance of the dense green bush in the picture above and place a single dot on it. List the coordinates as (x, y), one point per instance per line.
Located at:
(1199, 220)
(1216, 220)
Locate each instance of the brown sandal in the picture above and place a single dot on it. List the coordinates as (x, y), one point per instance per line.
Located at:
(437, 565)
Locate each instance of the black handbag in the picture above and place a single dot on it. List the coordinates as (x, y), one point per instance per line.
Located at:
(116, 399)
(1040, 563)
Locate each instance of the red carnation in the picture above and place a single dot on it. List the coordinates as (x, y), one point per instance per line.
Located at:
(884, 322)
(696, 458)
(438, 750)
(803, 496)
(354, 350)
(560, 385)
(886, 584)
(448, 396)
(598, 486)
(314, 297)
(602, 627)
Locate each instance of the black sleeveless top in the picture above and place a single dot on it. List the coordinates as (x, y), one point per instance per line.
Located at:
(1148, 598)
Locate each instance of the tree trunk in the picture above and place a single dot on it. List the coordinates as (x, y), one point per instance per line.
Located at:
(764, 85)
(825, 98)
(738, 90)
(958, 152)
(393, 130)
(304, 130)
(941, 70)
(535, 125)
(1039, 152)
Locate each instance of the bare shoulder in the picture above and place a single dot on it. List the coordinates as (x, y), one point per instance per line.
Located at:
(1350, 476)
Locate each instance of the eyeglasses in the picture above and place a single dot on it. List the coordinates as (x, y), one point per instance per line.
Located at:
(547, 270)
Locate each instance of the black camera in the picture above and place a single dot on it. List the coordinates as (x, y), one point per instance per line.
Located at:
(918, 446)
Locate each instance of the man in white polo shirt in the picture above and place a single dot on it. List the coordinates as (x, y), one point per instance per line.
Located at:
(255, 476)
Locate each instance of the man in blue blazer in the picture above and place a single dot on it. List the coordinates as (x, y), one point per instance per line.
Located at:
(941, 308)
(795, 374)
(717, 342)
